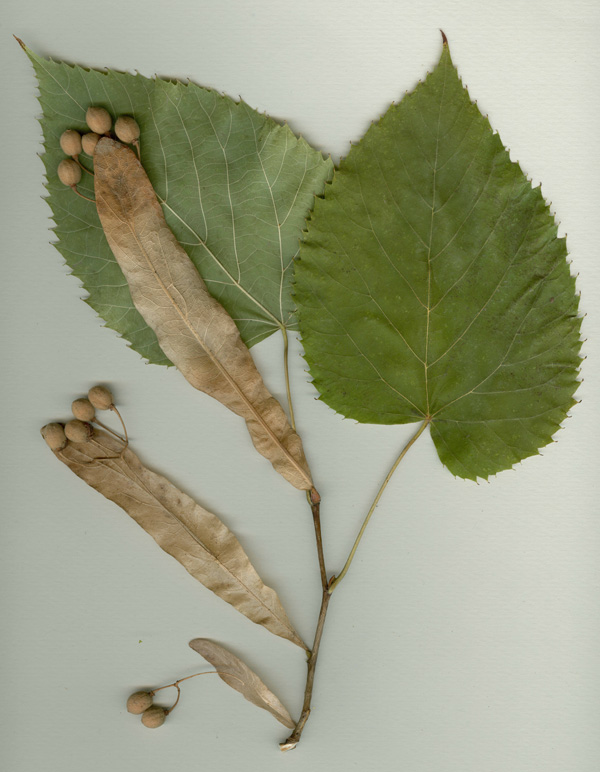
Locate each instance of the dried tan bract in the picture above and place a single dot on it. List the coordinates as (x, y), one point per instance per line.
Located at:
(205, 547)
(239, 676)
(193, 329)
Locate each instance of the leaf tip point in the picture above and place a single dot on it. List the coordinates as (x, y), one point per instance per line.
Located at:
(444, 38)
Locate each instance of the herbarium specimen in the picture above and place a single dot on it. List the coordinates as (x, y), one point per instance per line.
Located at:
(424, 275)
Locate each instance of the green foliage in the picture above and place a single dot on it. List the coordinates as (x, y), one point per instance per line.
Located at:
(432, 286)
(235, 187)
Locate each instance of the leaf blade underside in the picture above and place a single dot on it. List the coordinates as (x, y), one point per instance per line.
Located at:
(235, 187)
(432, 285)
(196, 538)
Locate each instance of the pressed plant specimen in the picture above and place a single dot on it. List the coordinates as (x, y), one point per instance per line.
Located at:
(424, 274)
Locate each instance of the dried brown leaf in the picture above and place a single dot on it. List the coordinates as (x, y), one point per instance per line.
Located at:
(239, 676)
(193, 329)
(205, 547)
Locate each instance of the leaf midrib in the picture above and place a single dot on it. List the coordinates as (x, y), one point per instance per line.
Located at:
(279, 323)
(433, 213)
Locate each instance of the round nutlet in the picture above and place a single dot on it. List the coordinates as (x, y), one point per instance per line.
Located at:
(89, 142)
(69, 172)
(54, 435)
(138, 702)
(98, 119)
(70, 142)
(154, 717)
(100, 397)
(127, 129)
(83, 409)
(78, 431)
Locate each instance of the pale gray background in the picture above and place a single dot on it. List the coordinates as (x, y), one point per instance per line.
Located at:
(466, 637)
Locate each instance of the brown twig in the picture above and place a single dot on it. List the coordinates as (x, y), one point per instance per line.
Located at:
(293, 740)
(329, 586)
(315, 505)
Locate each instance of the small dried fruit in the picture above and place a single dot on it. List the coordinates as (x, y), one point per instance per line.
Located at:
(138, 702)
(154, 717)
(98, 119)
(70, 142)
(127, 129)
(83, 409)
(78, 431)
(55, 436)
(69, 172)
(89, 142)
(100, 397)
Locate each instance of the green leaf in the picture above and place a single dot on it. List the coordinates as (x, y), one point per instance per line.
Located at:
(235, 187)
(432, 286)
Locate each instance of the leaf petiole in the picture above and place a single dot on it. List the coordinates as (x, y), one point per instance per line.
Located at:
(334, 583)
(286, 372)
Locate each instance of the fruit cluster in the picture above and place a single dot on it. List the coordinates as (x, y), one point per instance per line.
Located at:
(73, 143)
(153, 716)
(80, 429)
